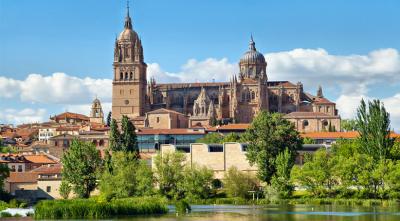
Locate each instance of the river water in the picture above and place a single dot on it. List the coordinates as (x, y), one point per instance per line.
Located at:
(274, 213)
(279, 213)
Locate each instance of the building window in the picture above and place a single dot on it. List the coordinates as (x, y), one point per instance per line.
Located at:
(328, 109)
(244, 147)
(19, 168)
(216, 148)
(305, 123)
(158, 119)
(48, 189)
(253, 95)
(121, 76)
(13, 168)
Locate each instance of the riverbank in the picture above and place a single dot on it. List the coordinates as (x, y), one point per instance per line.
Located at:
(296, 201)
(93, 209)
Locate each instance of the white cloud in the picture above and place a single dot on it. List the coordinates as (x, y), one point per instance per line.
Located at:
(349, 75)
(85, 108)
(26, 115)
(352, 74)
(208, 70)
(58, 88)
(348, 104)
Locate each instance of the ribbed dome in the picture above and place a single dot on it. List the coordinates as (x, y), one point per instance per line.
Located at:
(252, 56)
(128, 35)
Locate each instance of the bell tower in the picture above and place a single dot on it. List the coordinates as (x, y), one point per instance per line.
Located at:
(129, 81)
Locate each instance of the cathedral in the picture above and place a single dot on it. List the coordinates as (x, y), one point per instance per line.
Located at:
(237, 101)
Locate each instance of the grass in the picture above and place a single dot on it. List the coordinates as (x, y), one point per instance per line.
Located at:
(92, 209)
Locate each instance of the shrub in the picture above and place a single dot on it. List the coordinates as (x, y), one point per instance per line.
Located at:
(182, 207)
(3, 205)
(92, 209)
(5, 214)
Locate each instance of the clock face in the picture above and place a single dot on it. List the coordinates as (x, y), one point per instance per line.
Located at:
(126, 102)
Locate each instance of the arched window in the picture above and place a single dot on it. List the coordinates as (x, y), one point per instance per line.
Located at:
(121, 76)
(131, 76)
(305, 124)
(126, 76)
(248, 96)
(253, 95)
(101, 143)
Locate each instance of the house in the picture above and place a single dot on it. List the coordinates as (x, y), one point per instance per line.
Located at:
(165, 119)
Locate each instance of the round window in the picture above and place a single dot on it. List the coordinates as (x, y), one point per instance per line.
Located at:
(126, 102)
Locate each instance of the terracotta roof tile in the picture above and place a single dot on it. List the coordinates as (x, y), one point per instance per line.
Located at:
(202, 84)
(41, 159)
(169, 131)
(322, 100)
(22, 177)
(48, 169)
(233, 127)
(306, 114)
(164, 110)
(70, 115)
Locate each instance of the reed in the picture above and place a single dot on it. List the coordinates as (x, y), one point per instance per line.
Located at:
(92, 209)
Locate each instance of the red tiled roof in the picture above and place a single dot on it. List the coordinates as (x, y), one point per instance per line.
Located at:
(306, 114)
(168, 131)
(40, 159)
(48, 169)
(164, 110)
(22, 177)
(322, 100)
(70, 115)
(233, 127)
(67, 128)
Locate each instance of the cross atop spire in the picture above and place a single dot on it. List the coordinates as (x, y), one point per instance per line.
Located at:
(128, 21)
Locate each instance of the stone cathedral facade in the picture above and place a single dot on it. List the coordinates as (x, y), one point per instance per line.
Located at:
(238, 101)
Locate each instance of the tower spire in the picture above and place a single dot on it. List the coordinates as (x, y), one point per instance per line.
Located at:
(128, 22)
(252, 45)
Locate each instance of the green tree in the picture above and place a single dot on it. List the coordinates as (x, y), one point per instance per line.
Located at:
(168, 173)
(374, 128)
(109, 118)
(348, 125)
(144, 179)
(231, 137)
(211, 138)
(268, 135)
(120, 181)
(196, 182)
(128, 137)
(114, 137)
(80, 164)
(4, 173)
(307, 140)
(65, 189)
(316, 174)
(281, 180)
(238, 184)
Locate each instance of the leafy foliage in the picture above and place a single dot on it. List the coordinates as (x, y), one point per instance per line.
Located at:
(65, 189)
(128, 137)
(269, 135)
(80, 164)
(238, 184)
(168, 173)
(196, 183)
(109, 118)
(114, 137)
(281, 180)
(4, 173)
(348, 125)
(374, 128)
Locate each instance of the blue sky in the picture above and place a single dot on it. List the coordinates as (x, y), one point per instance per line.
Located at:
(76, 37)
